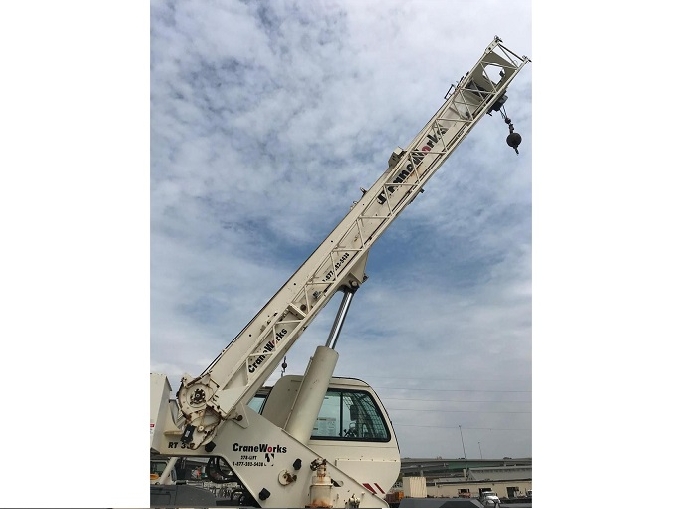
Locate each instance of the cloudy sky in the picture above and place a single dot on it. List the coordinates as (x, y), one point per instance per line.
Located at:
(266, 119)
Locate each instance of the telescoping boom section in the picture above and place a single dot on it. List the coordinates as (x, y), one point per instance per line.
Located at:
(215, 402)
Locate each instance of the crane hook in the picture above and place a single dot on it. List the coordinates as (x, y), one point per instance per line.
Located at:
(513, 139)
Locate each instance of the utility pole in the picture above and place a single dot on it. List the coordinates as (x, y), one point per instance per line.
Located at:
(465, 451)
(480, 455)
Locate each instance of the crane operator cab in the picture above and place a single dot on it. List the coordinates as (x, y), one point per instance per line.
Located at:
(352, 429)
(351, 410)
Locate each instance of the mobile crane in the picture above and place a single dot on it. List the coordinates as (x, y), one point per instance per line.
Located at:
(318, 440)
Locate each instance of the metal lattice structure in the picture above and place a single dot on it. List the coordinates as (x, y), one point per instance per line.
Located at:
(338, 263)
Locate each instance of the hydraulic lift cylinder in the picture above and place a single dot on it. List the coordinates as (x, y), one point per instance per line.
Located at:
(314, 385)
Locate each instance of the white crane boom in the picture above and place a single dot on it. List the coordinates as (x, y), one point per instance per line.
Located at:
(338, 263)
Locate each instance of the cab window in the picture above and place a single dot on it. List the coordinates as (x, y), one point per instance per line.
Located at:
(350, 415)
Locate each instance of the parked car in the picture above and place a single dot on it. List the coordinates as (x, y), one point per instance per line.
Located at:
(489, 499)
